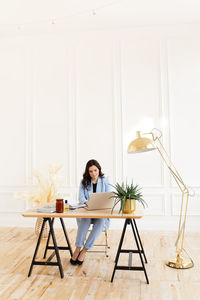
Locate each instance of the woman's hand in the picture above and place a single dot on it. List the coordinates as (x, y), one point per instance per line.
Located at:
(86, 203)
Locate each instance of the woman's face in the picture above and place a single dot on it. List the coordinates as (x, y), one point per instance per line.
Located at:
(94, 172)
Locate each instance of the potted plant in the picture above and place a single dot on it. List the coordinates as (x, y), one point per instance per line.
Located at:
(127, 195)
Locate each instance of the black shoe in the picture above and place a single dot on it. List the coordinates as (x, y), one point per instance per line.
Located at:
(79, 262)
(73, 262)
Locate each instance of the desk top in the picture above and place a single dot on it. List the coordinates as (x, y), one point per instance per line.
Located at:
(83, 213)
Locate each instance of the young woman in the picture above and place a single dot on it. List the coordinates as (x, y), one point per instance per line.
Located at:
(93, 182)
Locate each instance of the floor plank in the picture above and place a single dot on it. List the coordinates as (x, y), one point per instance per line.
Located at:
(92, 279)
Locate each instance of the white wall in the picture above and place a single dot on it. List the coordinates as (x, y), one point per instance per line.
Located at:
(72, 96)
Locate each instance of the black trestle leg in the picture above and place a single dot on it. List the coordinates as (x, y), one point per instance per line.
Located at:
(37, 246)
(121, 240)
(119, 248)
(139, 251)
(48, 247)
(66, 236)
(47, 243)
(55, 247)
(137, 232)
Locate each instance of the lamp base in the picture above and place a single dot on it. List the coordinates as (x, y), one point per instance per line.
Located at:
(180, 262)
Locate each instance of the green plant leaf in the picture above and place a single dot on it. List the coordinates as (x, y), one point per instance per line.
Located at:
(124, 191)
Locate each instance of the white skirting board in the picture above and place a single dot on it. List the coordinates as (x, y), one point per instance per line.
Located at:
(154, 223)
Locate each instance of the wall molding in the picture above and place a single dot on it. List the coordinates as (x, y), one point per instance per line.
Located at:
(166, 193)
(117, 113)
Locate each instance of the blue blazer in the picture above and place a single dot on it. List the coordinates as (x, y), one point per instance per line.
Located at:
(102, 186)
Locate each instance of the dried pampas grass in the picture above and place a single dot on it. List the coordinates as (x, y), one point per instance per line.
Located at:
(43, 193)
(45, 190)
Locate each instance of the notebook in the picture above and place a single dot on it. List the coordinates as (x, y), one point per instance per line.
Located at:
(47, 209)
(100, 201)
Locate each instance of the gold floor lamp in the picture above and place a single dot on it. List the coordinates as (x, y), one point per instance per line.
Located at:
(143, 144)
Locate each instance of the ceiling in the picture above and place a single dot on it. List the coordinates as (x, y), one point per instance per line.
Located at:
(100, 13)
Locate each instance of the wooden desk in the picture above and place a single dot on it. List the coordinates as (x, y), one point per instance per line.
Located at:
(83, 213)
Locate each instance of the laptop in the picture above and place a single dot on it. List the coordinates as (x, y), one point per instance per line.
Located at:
(100, 201)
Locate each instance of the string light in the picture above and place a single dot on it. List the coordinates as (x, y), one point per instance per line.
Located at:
(53, 21)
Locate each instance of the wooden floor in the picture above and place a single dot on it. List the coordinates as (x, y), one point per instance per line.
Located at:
(92, 279)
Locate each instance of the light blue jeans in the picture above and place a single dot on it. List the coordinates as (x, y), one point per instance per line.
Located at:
(83, 226)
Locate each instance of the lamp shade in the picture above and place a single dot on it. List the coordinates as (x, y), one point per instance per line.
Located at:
(140, 144)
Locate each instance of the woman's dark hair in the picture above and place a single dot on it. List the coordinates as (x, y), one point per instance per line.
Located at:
(86, 176)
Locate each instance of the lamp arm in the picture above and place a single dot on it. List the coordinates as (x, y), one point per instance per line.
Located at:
(175, 176)
(171, 165)
(183, 188)
(172, 170)
(167, 159)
